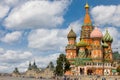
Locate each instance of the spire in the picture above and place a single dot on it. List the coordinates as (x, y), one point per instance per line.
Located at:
(29, 64)
(34, 63)
(87, 19)
(29, 68)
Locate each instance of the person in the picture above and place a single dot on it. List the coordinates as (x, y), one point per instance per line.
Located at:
(103, 78)
(115, 78)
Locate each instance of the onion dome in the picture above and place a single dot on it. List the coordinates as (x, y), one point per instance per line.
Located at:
(105, 45)
(107, 37)
(81, 44)
(96, 33)
(71, 34)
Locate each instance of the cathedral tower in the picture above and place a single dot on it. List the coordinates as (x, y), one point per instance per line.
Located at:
(86, 28)
(108, 40)
(71, 46)
(96, 52)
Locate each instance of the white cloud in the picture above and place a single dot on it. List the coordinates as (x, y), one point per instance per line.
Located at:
(11, 56)
(4, 10)
(43, 61)
(37, 14)
(9, 2)
(11, 37)
(45, 39)
(106, 15)
(11, 59)
(53, 39)
(1, 51)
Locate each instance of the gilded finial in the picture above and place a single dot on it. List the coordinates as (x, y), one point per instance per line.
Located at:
(86, 6)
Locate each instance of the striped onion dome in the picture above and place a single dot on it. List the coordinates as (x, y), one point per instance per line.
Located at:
(96, 33)
(107, 37)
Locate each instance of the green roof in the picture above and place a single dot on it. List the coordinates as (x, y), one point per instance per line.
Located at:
(81, 43)
(80, 61)
(114, 70)
(107, 37)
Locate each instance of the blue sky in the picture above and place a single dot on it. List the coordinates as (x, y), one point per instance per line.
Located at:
(37, 30)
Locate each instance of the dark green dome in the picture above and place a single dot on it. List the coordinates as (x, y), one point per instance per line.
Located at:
(107, 37)
(71, 34)
(81, 44)
(105, 45)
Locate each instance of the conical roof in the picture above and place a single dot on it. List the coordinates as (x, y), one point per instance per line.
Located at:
(81, 43)
(96, 33)
(87, 19)
(107, 37)
(71, 34)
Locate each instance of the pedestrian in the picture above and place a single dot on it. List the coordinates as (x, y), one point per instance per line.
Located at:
(103, 78)
(115, 78)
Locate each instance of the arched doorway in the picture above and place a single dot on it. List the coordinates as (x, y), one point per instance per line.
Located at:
(81, 71)
(89, 72)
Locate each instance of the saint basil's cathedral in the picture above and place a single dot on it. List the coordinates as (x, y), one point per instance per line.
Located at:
(92, 55)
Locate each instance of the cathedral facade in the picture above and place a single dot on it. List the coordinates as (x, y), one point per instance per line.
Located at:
(92, 55)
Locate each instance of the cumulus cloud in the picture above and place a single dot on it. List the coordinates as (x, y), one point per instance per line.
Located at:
(10, 59)
(11, 56)
(53, 39)
(103, 15)
(4, 10)
(11, 37)
(37, 14)
(45, 39)
(43, 61)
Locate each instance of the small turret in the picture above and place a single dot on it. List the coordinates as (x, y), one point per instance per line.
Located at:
(71, 37)
(34, 66)
(30, 66)
(71, 34)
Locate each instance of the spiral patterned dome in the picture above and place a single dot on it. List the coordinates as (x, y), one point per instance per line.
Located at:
(107, 37)
(96, 33)
(71, 34)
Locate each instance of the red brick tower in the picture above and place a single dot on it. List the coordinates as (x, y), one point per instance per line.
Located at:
(108, 51)
(71, 46)
(96, 52)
